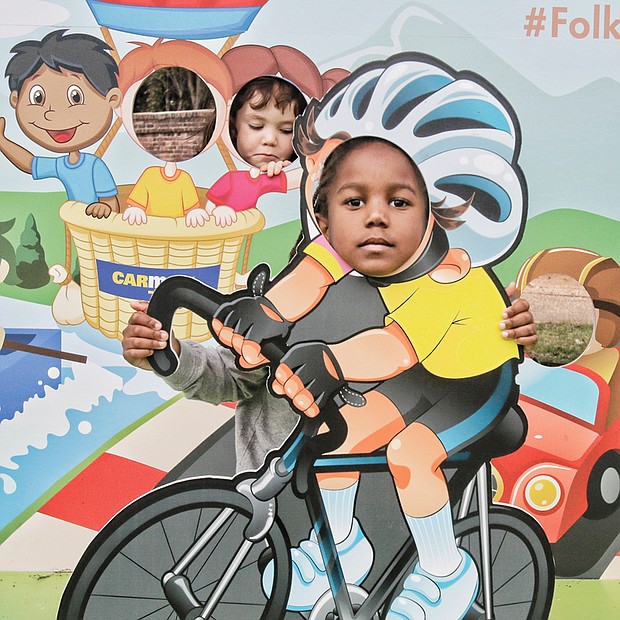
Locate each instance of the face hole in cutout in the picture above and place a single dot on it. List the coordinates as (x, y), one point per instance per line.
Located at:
(276, 103)
(564, 314)
(174, 114)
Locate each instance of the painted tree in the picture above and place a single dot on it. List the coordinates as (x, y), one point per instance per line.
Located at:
(7, 252)
(31, 268)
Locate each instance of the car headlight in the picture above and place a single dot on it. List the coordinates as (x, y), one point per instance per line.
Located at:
(497, 484)
(543, 493)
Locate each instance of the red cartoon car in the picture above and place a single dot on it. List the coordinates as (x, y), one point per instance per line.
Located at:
(569, 464)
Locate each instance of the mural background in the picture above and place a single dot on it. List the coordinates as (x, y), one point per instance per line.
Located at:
(79, 441)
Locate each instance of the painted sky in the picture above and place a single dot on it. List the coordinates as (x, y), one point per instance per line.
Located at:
(564, 85)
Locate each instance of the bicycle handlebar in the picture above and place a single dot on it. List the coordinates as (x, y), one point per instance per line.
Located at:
(185, 292)
(174, 293)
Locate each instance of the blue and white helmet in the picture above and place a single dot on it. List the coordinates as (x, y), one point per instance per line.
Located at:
(462, 134)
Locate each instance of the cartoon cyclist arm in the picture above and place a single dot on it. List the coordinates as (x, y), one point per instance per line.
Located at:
(246, 322)
(327, 368)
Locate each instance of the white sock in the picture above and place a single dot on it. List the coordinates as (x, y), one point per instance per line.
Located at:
(340, 506)
(435, 541)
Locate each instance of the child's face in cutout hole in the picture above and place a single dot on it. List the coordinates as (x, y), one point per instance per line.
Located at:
(377, 213)
(264, 134)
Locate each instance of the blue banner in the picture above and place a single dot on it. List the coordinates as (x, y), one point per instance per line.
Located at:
(134, 282)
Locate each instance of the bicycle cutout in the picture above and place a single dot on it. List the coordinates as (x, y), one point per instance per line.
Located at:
(198, 548)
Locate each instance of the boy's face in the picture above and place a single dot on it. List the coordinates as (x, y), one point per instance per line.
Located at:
(264, 135)
(61, 111)
(377, 213)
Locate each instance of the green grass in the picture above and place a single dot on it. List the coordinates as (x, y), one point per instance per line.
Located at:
(562, 228)
(560, 343)
(273, 246)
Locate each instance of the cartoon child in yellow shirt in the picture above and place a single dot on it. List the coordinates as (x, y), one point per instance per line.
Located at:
(167, 191)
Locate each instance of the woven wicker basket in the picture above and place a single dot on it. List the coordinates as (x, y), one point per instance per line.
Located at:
(161, 243)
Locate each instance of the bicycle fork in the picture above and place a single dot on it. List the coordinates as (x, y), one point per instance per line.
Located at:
(481, 484)
(261, 493)
(176, 585)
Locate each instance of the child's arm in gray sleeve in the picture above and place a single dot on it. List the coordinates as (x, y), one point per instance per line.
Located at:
(210, 374)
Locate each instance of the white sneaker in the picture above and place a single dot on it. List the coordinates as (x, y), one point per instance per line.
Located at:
(426, 597)
(309, 579)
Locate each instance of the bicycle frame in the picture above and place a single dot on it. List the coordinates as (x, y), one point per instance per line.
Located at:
(399, 566)
(262, 490)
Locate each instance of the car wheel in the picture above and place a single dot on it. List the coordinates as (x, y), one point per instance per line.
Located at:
(604, 486)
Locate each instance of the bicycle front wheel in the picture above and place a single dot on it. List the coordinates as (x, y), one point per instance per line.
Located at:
(120, 574)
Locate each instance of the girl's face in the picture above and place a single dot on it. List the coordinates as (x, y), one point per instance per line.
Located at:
(265, 134)
(377, 212)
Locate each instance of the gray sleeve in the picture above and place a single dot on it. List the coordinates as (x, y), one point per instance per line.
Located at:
(210, 374)
(262, 422)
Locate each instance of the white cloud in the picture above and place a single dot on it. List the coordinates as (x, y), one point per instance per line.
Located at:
(22, 18)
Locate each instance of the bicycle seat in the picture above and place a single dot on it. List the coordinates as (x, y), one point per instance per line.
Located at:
(505, 437)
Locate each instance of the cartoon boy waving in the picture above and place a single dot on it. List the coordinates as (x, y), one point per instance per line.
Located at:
(64, 90)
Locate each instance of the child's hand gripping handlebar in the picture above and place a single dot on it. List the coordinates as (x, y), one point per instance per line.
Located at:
(174, 293)
(184, 292)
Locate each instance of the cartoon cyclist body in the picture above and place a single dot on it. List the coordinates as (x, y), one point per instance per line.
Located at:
(446, 375)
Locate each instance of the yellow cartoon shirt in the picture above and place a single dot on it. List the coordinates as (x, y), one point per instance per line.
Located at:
(453, 327)
(164, 196)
